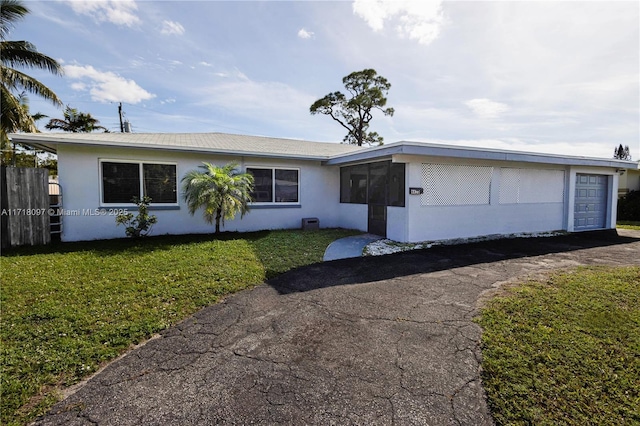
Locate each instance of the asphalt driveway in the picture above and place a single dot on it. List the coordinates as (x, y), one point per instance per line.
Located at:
(384, 340)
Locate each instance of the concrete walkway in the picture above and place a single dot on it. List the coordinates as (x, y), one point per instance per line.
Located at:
(349, 247)
(385, 340)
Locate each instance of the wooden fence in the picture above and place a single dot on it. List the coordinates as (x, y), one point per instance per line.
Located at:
(24, 206)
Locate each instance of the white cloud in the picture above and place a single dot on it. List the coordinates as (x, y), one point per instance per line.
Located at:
(273, 101)
(486, 108)
(119, 12)
(416, 20)
(171, 27)
(304, 34)
(106, 86)
(79, 86)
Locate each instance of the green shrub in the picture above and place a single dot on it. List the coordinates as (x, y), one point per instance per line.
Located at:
(141, 224)
(629, 206)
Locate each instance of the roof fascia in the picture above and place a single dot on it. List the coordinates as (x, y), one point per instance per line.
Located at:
(432, 150)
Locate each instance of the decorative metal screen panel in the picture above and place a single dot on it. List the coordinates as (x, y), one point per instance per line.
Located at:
(520, 186)
(454, 185)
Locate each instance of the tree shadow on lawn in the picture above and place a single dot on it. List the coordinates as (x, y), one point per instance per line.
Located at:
(378, 268)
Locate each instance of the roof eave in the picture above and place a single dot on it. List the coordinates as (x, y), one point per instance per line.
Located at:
(409, 148)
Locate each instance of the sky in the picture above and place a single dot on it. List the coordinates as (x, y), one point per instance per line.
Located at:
(557, 77)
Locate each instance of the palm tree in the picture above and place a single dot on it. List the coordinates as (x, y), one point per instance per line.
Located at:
(75, 121)
(221, 191)
(19, 54)
(23, 156)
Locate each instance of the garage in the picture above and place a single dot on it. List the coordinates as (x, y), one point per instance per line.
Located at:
(590, 208)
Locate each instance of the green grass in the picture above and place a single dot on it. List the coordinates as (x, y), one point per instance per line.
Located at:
(69, 308)
(566, 351)
(626, 224)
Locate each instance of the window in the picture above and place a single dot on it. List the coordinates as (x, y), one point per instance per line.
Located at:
(121, 181)
(160, 182)
(275, 185)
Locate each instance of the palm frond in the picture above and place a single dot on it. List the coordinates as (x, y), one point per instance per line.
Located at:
(24, 54)
(14, 116)
(19, 81)
(10, 12)
(221, 192)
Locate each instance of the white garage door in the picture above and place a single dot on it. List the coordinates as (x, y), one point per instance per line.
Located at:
(591, 202)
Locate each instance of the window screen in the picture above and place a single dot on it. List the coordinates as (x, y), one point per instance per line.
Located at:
(120, 182)
(286, 186)
(275, 185)
(353, 184)
(160, 182)
(262, 186)
(375, 183)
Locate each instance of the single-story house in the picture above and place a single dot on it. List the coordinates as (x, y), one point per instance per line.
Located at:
(629, 181)
(406, 191)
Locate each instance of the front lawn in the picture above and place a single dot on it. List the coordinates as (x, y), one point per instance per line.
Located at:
(69, 308)
(628, 224)
(565, 351)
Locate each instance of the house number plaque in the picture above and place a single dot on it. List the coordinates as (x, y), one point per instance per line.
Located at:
(415, 191)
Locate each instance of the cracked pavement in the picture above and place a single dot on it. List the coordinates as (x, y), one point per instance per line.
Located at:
(376, 340)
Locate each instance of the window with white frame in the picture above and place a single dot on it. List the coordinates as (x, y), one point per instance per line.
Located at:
(123, 180)
(275, 185)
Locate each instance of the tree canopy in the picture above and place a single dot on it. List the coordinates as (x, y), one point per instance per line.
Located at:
(367, 91)
(621, 153)
(75, 121)
(15, 83)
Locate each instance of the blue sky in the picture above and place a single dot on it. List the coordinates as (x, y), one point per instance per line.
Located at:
(556, 77)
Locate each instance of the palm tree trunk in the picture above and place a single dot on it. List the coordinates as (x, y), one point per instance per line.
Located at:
(218, 217)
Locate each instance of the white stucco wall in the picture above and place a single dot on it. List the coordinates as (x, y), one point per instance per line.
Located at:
(79, 177)
(397, 225)
(352, 216)
(436, 222)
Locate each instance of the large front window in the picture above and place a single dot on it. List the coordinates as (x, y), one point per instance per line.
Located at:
(121, 181)
(274, 185)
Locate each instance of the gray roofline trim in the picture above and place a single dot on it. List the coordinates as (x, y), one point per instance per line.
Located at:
(451, 151)
(48, 143)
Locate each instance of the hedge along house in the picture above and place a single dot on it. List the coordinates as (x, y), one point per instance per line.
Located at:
(406, 191)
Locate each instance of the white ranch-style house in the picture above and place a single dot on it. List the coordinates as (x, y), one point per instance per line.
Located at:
(405, 191)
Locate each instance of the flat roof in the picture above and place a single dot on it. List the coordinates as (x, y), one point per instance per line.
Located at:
(453, 151)
(328, 153)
